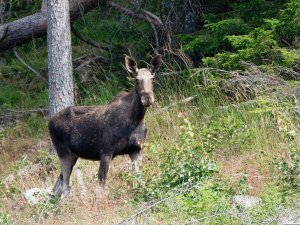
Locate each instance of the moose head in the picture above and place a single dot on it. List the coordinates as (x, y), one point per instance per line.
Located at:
(144, 78)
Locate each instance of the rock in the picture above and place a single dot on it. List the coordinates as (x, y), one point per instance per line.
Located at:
(246, 201)
(290, 217)
(35, 195)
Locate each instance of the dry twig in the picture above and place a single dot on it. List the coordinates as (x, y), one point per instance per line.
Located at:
(29, 67)
(152, 18)
(208, 217)
(89, 41)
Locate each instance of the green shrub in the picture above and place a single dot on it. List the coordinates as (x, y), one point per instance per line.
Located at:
(259, 47)
(186, 161)
(211, 39)
(290, 171)
(288, 27)
(4, 218)
(183, 162)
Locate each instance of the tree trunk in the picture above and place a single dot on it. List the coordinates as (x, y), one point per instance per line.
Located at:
(59, 56)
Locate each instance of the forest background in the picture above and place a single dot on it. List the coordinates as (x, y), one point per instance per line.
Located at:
(225, 123)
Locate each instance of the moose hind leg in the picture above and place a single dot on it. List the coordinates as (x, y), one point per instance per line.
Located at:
(67, 163)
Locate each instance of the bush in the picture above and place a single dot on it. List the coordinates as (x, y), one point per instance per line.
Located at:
(290, 171)
(211, 39)
(184, 161)
(288, 27)
(187, 161)
(259, 47)
(4, 218)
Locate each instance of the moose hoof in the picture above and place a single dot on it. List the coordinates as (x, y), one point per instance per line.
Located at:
(65, 193)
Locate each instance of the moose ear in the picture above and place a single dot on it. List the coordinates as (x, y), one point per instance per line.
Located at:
(155, 63)
(130, 64)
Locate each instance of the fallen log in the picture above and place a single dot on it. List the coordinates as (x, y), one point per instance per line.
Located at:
(23, 30)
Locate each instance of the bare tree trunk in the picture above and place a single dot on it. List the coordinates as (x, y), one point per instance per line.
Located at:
(59, 56)
(60, 75)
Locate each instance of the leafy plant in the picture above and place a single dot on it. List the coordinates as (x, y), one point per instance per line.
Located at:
(288, 27)
(4, 218)
(187, 160)
(211, 39)
(290, 170)
(183, 162)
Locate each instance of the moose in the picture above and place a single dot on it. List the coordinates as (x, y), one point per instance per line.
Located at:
(101, 133)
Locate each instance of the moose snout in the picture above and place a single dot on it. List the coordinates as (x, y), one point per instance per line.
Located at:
(147, 99)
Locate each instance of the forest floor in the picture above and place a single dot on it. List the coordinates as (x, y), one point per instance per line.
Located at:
(198, 156)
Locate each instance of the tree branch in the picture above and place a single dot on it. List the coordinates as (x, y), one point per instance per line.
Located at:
(152, 18)
(29, 67)
(88, 41)
(155, 33)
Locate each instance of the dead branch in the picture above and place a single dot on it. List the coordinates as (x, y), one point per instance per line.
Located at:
(88, 41)
(86, 60)
(210, 216)
(84, 64)
(23, 30)
(246, 85)
(27, 111)
(182, 101)
(29, 67)
(154, 32)
(130, 13)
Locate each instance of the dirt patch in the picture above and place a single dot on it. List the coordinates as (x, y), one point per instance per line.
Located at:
(239, 168)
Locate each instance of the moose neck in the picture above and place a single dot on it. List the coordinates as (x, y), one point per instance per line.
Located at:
(138, 110)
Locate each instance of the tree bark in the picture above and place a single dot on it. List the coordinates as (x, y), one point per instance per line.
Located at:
(59, 56)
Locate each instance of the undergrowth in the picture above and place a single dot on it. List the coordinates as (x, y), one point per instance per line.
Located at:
(198, 154)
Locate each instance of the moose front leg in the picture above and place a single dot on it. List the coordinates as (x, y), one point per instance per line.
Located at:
(103, 170)
(136, 160)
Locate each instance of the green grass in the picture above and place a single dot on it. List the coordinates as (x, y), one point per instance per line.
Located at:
(195, 135)
(13, 96)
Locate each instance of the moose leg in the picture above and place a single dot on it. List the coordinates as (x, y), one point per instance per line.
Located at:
(67, 162)
(136, 160)
(57, 189)
(103, 170)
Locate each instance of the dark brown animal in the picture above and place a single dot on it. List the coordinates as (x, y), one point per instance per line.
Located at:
(104, 132)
